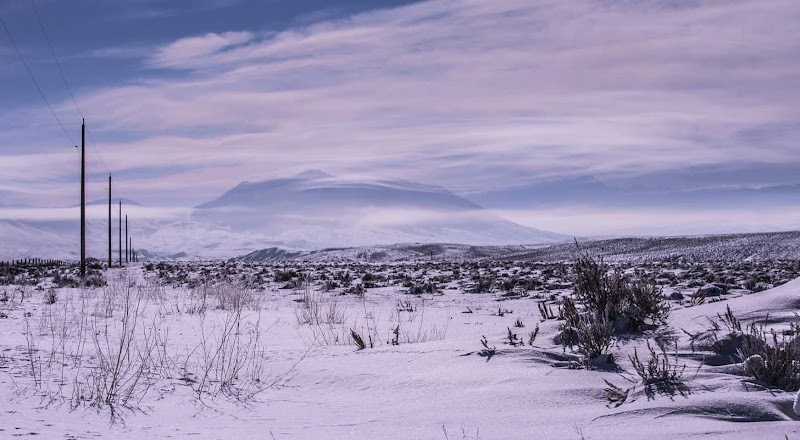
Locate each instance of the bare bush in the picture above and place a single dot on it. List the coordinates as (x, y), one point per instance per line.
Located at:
(780, 355)
(591, 331)
(316, 308)
(658, 367)
(595, 286)
(629, 304)
(233, 296)
(644, 304)
(595, 335)
(230, 359)
(611, 301)
(122, 371)
(658, 373)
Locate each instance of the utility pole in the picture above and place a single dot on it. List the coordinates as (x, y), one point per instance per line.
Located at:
(109, 221)
(120, 232)
(127, 254)
(83, 201)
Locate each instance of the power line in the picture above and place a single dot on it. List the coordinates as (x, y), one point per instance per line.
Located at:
(36, 83)
(53, 52)
(66, 83)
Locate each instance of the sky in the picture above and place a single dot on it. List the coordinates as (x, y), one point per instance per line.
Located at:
(185, 99)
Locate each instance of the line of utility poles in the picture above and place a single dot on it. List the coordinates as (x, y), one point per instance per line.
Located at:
(130, 254)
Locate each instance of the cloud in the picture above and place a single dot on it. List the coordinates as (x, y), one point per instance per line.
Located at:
(93, 212)
(597, 222)
(467, 94)
(187, 50)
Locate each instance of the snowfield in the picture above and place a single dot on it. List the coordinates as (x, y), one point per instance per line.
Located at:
(239, 350)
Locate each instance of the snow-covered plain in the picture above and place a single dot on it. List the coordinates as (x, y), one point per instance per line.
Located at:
(288, 367)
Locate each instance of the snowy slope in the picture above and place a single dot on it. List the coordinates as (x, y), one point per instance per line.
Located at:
(731, 247)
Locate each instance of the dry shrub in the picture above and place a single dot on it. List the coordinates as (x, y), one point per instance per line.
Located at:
(316, 308)
(233, 296)
(592, 333)
(780, 354)
(611, 301)
(631, 304)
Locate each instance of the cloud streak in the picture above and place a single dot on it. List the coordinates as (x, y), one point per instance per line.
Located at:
(187, 50)
(467, 94)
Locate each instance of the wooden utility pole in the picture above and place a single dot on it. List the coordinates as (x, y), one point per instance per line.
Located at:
(109, 222)
(83, 200)
(127, 254)
(120, 232)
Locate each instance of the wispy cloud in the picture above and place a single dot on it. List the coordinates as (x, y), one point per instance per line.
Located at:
(92, 213)
(590, 221)
(189, 50)
(468, 94)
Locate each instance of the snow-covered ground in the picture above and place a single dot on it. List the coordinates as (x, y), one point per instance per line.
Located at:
(203, 360)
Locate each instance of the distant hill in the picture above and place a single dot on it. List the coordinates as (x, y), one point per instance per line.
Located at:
(733, 247)
(323, 211)
(271, 254)
(730, 247)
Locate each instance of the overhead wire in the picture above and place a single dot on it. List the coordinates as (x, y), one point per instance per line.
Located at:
(35, 83)
(66, 83)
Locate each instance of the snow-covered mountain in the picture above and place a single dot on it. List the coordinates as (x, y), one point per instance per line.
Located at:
(36, 239)
(316, 209)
